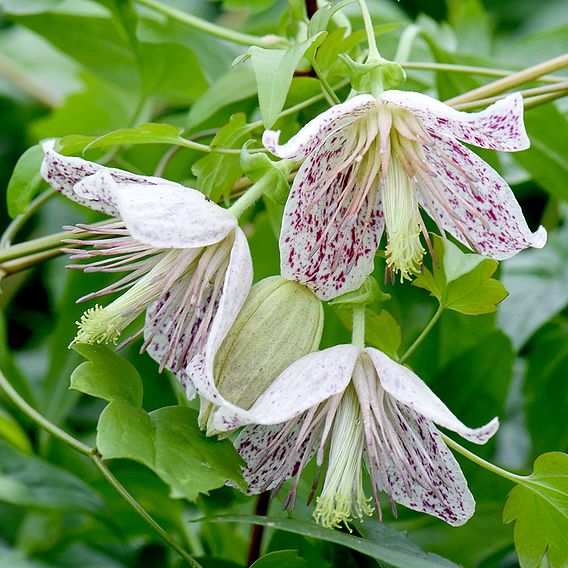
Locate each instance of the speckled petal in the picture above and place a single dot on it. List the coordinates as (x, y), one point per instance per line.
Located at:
(238, 280)
(317, 248)
(317, 130)
(498, 127)
(484, 210)
(436, 485)
(403, 385)
(63, 173)
(253, 444)
(307, 382)
(169, 216)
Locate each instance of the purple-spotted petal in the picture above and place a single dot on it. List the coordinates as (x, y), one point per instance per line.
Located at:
(498, 127)
(318, 129)
(320, 246)
(172, 216)
(437, 486)
(403, 385)
(238, 280)
(307, 382)
(63, 173)
(474, 203)
(266, 449)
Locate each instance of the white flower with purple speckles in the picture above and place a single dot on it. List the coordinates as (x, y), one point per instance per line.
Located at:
(187, 263)
(372, 163)
(364, 407)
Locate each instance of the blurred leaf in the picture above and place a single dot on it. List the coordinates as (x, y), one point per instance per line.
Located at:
(31, 482)
(106, 375)
(398, 552)
(545, 389)
(17, 7)
(12, 432)
(238, 84)
(274, 69)
(539, 505)
(281, 559)
(537, 281)
(546, 159)
(472, 26)
(169, 442)
(216, 173)
(320, 20)
(25, 181)
(461, 281)
(166, 440)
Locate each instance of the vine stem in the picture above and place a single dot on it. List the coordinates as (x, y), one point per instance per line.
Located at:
(257, 531)
(97, 460)
(423, 334)
(248, 199)
(472, 70)
(512, 81)
(207, 27)
(374, 54)
(358, 333)
(484, 463)
(326, 87)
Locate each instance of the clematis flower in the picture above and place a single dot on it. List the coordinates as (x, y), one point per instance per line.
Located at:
(363, 407)
(374, 163)
(186, 263)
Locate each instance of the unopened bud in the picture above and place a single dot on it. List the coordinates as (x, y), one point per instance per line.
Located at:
(280, 322)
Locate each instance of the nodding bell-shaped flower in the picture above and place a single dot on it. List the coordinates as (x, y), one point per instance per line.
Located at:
(280, 322)
(372, 163)
(365, 408)
(186, 263)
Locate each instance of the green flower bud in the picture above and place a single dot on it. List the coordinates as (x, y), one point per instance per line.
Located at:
(280, 322)
(374, 77)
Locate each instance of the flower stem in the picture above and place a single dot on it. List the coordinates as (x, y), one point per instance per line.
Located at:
(423, 334)
(358, 332)
(512, 81)
(374, 54)
(326, 87)
(248, 199)
(96, 458)
(483, 463)
(257, 531)
(205, 26)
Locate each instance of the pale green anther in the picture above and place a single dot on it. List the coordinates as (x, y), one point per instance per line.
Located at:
(280, 322)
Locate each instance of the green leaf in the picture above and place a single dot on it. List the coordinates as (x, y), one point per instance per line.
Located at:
(169, 442)
(217, 173)
(461, 281)
(166, 440)
(536, 281)
(546, 159)
(368, 293)
(237, 85)
(539, 505)
(150, 133)
(25, 181)
(28, 481)
(274, 69)
(281, 559)
(320, 20)
(106, 375)
(17, 7)
(397, 552)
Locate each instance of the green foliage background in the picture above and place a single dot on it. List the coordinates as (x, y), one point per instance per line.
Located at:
(88, 67)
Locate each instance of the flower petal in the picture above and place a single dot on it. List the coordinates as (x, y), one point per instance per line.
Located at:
(406, 387)
(498, 127)
(172, 216)
(475, 204)
(318, 129)
(266, 452)
(432, 481)
(238, 280)
(319, 247)
(307, 382)
(63, 173)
